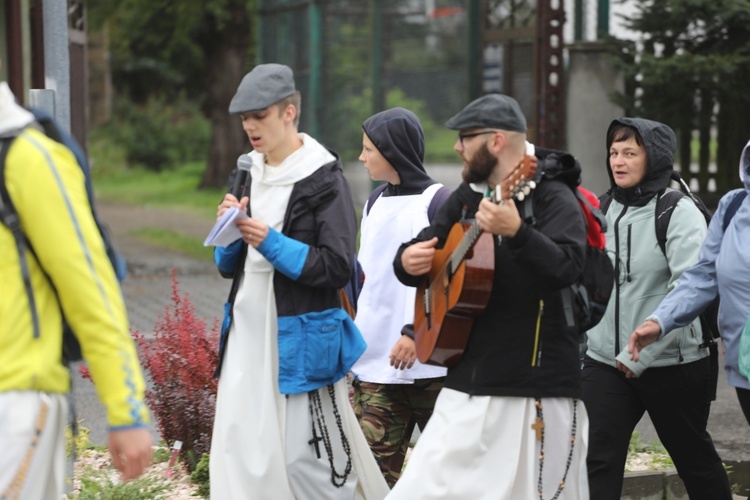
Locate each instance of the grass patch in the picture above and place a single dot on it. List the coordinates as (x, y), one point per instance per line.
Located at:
(98, 485)
(188, 245)
(175, 189)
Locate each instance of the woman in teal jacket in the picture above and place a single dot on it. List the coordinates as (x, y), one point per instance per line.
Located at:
(674, 384)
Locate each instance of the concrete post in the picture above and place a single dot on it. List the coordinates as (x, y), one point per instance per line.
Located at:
(57, 58)
(592, 80)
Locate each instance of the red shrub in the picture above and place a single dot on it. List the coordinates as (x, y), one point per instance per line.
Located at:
(180, 360)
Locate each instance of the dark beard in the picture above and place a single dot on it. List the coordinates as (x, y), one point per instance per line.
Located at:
(480, 167)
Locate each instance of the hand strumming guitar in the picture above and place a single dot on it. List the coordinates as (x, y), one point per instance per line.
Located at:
(417, 258)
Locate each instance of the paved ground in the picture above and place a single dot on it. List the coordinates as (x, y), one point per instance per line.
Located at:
(147, 292)
(147, 289)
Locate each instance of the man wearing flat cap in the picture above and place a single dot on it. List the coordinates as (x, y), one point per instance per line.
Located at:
(284, 427)
(508, 423)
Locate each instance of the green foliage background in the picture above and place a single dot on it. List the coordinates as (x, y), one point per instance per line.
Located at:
(690, 70)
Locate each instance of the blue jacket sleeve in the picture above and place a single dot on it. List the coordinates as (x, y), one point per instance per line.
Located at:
(226, 257)
(286, 254)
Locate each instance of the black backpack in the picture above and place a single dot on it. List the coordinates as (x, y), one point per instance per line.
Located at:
(9, 217)
(584, 302)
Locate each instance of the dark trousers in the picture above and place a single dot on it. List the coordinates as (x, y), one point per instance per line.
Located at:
(678, 399)
(743, 395)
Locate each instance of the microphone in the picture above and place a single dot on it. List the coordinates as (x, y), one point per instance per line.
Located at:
(244, 164)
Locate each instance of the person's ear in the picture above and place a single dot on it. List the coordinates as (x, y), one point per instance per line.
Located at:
(290, 113)
(496, 143)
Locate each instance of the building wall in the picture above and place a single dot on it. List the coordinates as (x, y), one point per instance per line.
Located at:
(592, 80)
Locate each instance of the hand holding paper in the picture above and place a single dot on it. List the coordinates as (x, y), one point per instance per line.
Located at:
(225, 230)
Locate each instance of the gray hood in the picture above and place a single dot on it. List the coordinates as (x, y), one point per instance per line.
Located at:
(660, 143)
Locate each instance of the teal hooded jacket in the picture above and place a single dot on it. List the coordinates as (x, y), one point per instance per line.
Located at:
(644, 275)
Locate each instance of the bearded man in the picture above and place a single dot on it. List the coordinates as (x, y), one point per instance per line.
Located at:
(508, 423)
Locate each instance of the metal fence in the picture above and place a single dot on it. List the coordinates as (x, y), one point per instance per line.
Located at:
(354, 58)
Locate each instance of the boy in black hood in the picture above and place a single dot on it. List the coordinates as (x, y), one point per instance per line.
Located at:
(393, 392)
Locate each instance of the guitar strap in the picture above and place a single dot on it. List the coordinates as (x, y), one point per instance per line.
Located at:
(527, 207)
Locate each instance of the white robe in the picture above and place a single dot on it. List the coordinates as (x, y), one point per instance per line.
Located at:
(385, 305)
(483, 447)
(260, 440)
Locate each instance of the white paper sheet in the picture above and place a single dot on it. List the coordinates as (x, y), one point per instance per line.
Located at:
(225, 231)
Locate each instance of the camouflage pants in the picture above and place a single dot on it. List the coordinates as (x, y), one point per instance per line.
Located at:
(388, 413)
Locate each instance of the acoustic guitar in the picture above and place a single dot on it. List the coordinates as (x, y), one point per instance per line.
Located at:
(459, 284)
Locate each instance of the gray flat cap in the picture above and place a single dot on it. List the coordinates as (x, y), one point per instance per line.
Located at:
(490, 111)
(265, 85)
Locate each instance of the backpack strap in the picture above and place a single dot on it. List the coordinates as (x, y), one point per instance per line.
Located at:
(567, 293)
(666, 202)
(374, 196)
(732, 208)
(10, 219)
(437, 201)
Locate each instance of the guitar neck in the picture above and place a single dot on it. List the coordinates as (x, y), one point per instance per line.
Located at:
(516, 184)
(467, 242)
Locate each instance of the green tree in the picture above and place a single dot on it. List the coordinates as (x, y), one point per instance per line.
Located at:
(687, 70)
(199, 48)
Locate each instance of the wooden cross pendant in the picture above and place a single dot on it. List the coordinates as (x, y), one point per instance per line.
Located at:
(538, 425)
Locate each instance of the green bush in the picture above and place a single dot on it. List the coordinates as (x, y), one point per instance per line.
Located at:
(438, 139)
(98, 486)
(200, 478)
(159, 134)
(161, 454)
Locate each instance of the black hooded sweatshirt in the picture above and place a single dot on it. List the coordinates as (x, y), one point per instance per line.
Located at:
(397, 133)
